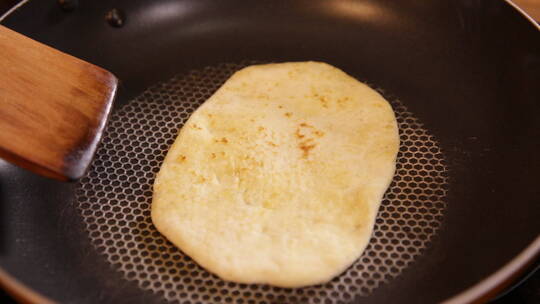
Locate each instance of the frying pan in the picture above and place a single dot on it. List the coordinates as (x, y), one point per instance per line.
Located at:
(459, 223)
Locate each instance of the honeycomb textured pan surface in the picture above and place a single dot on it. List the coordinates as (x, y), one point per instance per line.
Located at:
(278, 176)
(114, 200)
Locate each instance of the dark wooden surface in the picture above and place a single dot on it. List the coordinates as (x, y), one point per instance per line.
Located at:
(53, 107)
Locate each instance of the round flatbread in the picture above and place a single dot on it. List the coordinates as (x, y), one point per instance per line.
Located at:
(277, 178)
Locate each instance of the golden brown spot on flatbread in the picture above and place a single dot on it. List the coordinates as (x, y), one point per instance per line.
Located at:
(240, 170)
(323, 99)
(222, 140)
(306, 147)
(342, 101)
(318, 133)
(306, 134)
(298, 134)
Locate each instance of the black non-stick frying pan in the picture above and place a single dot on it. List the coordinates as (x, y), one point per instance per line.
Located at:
(460, 221)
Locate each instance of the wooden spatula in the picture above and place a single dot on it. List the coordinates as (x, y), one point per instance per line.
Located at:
(53, 107)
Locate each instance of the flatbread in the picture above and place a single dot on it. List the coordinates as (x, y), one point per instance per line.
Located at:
(277, 178)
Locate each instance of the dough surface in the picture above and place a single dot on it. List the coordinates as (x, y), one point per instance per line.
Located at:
(278, 176)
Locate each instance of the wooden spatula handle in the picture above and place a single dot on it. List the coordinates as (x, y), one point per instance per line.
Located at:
(53, 107)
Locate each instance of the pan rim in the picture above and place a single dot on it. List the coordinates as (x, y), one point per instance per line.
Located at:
(487, 288)
(482, 291)
(524, 14)
(21, 291)
(13, 9)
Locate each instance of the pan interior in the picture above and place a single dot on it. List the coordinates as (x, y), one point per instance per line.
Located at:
(114, 201)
